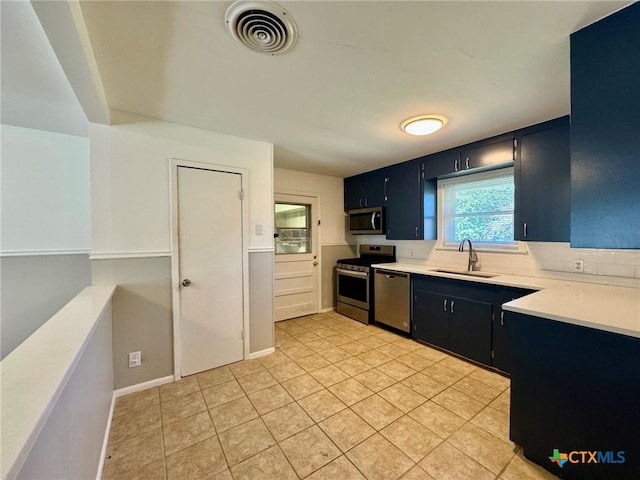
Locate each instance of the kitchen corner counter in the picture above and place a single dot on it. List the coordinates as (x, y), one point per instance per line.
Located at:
(602, 307)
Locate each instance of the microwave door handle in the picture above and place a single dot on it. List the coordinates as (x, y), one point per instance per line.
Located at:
(373, 221)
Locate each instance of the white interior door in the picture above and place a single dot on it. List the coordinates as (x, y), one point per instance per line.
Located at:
(210, 265)
(296, 270)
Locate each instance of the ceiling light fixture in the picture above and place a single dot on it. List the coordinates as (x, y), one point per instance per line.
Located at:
(423, 124)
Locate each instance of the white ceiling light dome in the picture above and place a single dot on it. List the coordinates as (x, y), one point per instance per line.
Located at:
(262, 26)
(423, 124)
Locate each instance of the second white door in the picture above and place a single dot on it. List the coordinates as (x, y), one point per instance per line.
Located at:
(211, 269)
(296, 271)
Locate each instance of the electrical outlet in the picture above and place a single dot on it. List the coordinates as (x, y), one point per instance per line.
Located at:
(411, 253)
(135, 359)
(578, 266)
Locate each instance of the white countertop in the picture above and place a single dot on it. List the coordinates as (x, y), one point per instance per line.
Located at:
(603, 307)
(35, 373)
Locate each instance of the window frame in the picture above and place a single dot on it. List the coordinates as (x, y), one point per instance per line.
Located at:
(442, 244)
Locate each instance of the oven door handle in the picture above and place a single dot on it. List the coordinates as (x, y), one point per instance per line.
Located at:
(352, 273)
(373, 221)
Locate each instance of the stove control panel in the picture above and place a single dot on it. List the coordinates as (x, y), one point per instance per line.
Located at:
(355, 268)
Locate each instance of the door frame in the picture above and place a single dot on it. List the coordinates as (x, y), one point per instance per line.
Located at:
(175, 163)
(317, 196)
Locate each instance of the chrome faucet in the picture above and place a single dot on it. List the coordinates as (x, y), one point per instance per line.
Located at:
(473, 256)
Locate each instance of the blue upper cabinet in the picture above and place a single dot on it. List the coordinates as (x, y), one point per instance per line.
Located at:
(374, 188)
(353, 192)
(487, 155)
(404, 201)
(605, 130)
(441, 164)
(364, 190)
(542, 181)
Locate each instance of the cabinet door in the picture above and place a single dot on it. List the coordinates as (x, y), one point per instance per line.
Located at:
(499, 333)
(430, 209)
(605, 166)
(431, 318)
(404, 201)
(470, 329)
(500, 342)
(353, 193)
(440, 164)
(543, 184)
(571, 384)
(493, 154)
(373, 187)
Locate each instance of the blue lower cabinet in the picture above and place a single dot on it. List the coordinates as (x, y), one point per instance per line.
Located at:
(453, 315)
(470, 329)
(575, 393)
(499, 330)
(430, 318)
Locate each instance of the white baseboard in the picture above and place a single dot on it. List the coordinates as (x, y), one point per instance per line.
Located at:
(105, 441)
(261, 353)
(143, 386)
(325, 310)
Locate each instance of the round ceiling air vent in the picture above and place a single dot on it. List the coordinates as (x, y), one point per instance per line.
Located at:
(262, 26)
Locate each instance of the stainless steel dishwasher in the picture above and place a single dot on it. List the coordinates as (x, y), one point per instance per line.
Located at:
(391, 299)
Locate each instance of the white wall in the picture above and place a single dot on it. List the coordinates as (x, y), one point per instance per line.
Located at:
(45, 191)
(45, 228)
(130, 204)
(130, 200)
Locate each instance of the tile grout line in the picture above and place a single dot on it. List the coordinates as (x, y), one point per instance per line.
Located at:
(353, 354)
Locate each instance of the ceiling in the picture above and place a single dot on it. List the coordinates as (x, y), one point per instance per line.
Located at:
(333, 104)
(35, 91)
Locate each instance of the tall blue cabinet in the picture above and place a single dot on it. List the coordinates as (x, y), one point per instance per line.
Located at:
(605, 126)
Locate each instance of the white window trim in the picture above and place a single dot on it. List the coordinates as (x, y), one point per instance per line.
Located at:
(516, 247)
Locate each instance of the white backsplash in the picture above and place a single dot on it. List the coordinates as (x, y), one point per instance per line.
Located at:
(542, 259)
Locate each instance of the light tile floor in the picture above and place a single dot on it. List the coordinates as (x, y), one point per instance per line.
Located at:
(338, 400)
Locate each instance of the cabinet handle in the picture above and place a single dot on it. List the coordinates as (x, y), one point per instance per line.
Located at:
(386, 180)
(445, 304)
(524, 229)
(366, 202)
(360, 202)
(502, 319)
(452, 303)
(467, 163)
(455, 166)
(416, 232)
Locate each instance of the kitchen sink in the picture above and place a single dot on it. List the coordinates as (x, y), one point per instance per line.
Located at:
(464, 272)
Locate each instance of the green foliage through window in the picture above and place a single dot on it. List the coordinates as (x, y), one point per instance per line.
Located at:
(480, 209)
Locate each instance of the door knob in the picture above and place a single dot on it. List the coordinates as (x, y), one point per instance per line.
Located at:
(186, 282)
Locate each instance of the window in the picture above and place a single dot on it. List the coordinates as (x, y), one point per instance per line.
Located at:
(479, 207)
(293, 228)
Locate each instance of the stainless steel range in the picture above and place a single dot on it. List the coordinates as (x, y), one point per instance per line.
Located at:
(355, 281)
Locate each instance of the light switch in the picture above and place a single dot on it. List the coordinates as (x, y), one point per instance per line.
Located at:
(258, 229)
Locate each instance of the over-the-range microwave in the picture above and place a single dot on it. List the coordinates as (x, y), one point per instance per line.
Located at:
(367, 221)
